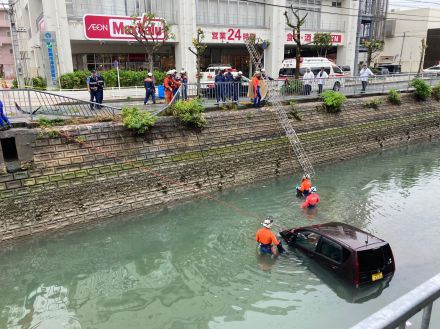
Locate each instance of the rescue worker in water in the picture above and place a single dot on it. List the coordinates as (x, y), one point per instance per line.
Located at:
(312, 200)
(306, 185)
(267, 240)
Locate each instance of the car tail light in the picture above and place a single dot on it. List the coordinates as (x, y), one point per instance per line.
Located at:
(356, 271)
(210, 76)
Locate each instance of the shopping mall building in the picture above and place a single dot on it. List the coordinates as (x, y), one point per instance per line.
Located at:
(65, 35)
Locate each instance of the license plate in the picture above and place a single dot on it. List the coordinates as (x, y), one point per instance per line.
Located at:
(377, 276)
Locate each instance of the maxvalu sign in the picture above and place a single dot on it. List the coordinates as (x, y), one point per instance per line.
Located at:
(102, 27)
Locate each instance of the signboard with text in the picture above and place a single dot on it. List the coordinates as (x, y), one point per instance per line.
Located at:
(49, 40)
(102, 27)
(307, 37)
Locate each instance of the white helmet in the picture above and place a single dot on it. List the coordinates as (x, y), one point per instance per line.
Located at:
(263, 70)
(240, 73)
(307, 176)
(268, 222)
(313, 190)
(182, 72)
(170, 72)
(257, 72)
(150, 74)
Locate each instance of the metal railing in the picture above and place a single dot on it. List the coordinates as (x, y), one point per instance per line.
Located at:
(397, 313)
(29, 102)
(221, 92)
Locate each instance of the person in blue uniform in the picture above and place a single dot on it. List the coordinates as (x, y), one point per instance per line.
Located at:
(100, 91)
(92, 87)
(150, 89)
(219, 86)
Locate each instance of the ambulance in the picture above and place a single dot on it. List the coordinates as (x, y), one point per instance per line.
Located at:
(335, 74)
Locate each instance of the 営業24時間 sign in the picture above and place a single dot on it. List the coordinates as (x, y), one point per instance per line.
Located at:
(101, 27)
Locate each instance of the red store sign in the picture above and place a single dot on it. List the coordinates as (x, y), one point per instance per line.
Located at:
(101, 27)
(308, 38)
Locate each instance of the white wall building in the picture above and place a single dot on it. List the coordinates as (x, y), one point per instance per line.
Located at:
(404, 31)
(60, 25)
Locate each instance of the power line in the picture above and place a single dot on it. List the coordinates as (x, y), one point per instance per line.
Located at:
(345, 14)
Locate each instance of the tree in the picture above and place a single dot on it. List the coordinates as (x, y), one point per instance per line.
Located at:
(373, 47)
(296, 34)
(151, 33)
(322, 42)
(200, 48)
(423, 48)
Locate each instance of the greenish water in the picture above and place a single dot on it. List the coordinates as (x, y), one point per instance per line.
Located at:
(194, 265)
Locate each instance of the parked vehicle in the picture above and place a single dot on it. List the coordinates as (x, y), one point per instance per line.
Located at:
(346, 70)
(352, 254)
(336, 76)
(435, 70)
(209, 74)
(391, 68)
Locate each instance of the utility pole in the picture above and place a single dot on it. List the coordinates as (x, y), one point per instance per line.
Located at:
(16, 45)
(358, 41)
(401, 49)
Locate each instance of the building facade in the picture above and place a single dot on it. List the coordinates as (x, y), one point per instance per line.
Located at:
(404, 32)
(62, 26)
(7, 69)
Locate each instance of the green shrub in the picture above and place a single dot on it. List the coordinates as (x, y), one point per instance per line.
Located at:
(159, 76)
(292, 87)
(45, 122)
(189, 112)
(422, 89)
(37, 82)
(333, 101)
(136, 120)
(436, 92)
(293, 112)
(373, 103)
(394, 97)
(128, 78)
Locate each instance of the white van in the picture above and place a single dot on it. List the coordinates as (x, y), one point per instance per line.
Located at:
(335, 74)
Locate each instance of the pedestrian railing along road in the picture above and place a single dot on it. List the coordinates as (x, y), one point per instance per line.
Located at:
(27, 103)
(397, 313)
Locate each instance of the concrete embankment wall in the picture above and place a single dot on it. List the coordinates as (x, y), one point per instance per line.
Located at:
(78, 174)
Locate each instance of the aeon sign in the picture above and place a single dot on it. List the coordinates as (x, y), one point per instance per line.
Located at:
(101, 27)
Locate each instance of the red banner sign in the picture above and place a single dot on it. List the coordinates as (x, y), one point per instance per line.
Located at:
(100, 27)
(308, 37)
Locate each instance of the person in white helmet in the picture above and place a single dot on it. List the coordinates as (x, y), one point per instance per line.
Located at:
(267, 240)
(304, 188)
(264, 75)
(237, 86)
(168, 84)
(312, 200)
(150, 89)
(184, 82)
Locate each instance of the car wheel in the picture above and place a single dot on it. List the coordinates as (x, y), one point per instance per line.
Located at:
(336, 86)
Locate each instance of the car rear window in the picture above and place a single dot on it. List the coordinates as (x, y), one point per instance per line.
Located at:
(373, 259)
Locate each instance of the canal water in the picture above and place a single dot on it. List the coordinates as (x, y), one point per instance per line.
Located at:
(194, 265)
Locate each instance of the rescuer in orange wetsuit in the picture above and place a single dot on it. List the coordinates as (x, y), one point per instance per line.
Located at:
(304, 188)
(267, 240)
(168, 84)
(312, 200)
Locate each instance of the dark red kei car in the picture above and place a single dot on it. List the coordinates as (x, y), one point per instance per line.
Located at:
(352, 254)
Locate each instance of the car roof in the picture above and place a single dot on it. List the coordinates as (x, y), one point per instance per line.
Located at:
(345, 234)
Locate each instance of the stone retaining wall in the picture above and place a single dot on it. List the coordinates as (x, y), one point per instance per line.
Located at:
(87, 172)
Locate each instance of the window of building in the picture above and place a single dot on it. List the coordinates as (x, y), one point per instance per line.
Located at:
(337, 4)
(310, 7)
(8, 34)
(231, 13)
(11, 51)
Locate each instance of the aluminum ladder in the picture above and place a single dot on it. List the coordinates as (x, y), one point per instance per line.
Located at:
(273, 97)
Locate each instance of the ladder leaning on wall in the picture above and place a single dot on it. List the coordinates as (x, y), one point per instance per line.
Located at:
(273, 97)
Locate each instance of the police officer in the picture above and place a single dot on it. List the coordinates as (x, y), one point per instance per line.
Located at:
(101, 85)
(92, 87)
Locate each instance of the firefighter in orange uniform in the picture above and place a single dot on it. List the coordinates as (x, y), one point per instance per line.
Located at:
(267, 240)
(168, 84)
